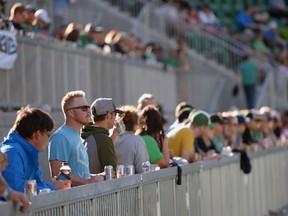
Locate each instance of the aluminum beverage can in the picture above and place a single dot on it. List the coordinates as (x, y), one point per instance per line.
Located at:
(129, 170)
(108, 172)
(120, 171)
(146, 166)
(44, 191)
(121, 128)
(31, 187)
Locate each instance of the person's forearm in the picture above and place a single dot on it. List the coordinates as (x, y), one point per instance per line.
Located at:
(76, 180)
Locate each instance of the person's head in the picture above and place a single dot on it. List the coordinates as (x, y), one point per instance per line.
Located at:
(268, 116)
(245, 58)
(42, 19)
(199, 120)
(248, 9)
(34, 125)
(76, 108)
(18, 13)
(150, 122)
(219, 124)
(231, 126)
(130, 118)
(206, 8)
(97, 33)
(273, 26)
(183, 111)
(30, 10)
(253, 121)
(72, 32)
(145, 100)
(209, 131)
(104, 112)
(241, 123)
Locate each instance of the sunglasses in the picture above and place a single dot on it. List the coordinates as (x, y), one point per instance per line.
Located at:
(48, 133)
(84, 108)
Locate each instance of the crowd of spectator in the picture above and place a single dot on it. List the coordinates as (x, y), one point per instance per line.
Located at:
(256, 31)
(146, 138)
(195, 135)
(27, 20)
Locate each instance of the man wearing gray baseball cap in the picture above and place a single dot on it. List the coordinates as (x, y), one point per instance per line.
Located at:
(102, 106)
(100, 146)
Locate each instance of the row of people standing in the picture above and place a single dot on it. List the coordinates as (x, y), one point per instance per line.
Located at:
(85, 143)
(196, 134)
(87, 156)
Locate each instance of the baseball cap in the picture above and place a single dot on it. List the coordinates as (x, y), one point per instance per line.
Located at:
(199, 118)
(102, 106)
(273, 25)
(254, 116)
(241, 119)
(43, 15)
(92, 28)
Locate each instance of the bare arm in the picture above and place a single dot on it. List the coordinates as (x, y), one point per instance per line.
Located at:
(76, 180)
(55, 166)
(164, 162)
(187, 155)
(14, 196)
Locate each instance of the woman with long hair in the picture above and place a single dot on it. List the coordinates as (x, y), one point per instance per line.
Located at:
(152, 132)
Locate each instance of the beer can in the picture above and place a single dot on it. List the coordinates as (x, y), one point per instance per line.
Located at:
(31, 187)
(108, 172)
(155, 167)
(129, 170)
(121, 128)
(120, 171)
(146, 166)
(44, 191)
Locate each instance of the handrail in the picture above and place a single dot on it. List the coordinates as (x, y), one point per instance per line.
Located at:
(205, 188)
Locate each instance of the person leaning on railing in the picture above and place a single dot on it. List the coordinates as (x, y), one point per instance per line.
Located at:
(66, 145)
(152, 132)
(28, 136)
(7, 192)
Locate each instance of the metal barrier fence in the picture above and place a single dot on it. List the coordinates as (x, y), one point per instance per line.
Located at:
(215, 187)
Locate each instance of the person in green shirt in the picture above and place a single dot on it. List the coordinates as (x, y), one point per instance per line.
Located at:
(88, 37)
(247, 72)
(283, 32)
(151, 130)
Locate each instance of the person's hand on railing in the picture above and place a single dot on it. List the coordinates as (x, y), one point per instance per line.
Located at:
(19, 198)
(61, 184)
(96, 178)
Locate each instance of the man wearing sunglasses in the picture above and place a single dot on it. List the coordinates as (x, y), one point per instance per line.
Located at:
(66, 144)
(28, 136)
(100, 146)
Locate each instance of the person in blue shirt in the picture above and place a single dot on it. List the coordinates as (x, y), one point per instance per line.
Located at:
(245, 20)
(7, 192)
(28, 136)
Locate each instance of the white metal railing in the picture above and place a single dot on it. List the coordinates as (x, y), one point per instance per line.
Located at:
(215, 187)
